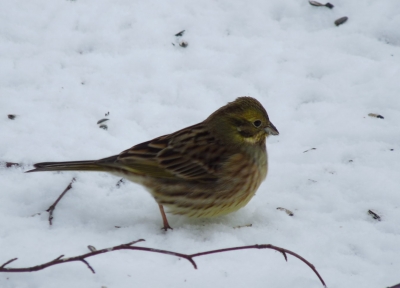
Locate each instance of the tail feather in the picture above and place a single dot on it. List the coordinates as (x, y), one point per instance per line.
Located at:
(68, 166)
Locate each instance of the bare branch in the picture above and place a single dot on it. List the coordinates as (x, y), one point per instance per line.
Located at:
(53, 206)
(8, 262)
(134, 242)
(88, 265)
(128, 246)
(242, 226)
(262, 246)
(59, 257)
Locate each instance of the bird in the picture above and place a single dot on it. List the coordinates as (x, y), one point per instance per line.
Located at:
(205, 170)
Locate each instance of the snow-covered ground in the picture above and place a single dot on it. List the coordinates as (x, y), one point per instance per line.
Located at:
(65, 64)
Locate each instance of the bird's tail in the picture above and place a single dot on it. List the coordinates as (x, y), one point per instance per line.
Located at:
(68, 166)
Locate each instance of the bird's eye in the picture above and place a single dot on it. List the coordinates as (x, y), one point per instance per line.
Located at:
(257, 123)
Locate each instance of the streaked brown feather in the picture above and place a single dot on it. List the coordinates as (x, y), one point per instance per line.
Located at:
(190, 153)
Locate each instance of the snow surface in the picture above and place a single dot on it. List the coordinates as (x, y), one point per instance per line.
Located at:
(64, 64)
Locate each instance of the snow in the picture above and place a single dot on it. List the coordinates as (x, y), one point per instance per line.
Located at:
(65, 64)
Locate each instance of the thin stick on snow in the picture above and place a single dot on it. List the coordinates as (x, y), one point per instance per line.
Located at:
(53, 206)
(128, 246)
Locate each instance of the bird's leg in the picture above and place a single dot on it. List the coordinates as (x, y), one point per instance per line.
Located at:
(164, 218)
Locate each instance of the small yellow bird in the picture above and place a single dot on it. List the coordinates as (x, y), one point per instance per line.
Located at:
(205, 170)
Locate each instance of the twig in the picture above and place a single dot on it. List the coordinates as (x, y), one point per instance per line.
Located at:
(264, 246)
(53, 206)
(128, 246)
(8, 262)
(315, 3)
(309, 150)
(88, 265)
(288, 212)
(242, 226)
(374, 215)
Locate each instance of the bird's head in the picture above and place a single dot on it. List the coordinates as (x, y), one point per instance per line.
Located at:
(243, 121)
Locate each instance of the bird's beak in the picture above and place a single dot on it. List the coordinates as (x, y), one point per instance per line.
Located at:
(271, 129)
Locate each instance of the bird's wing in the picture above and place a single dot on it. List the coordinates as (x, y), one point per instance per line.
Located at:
(191, 153)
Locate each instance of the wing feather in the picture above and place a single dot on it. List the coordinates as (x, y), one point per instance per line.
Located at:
(191, 153)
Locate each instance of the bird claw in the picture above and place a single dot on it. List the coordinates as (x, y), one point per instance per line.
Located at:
(166, 227)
